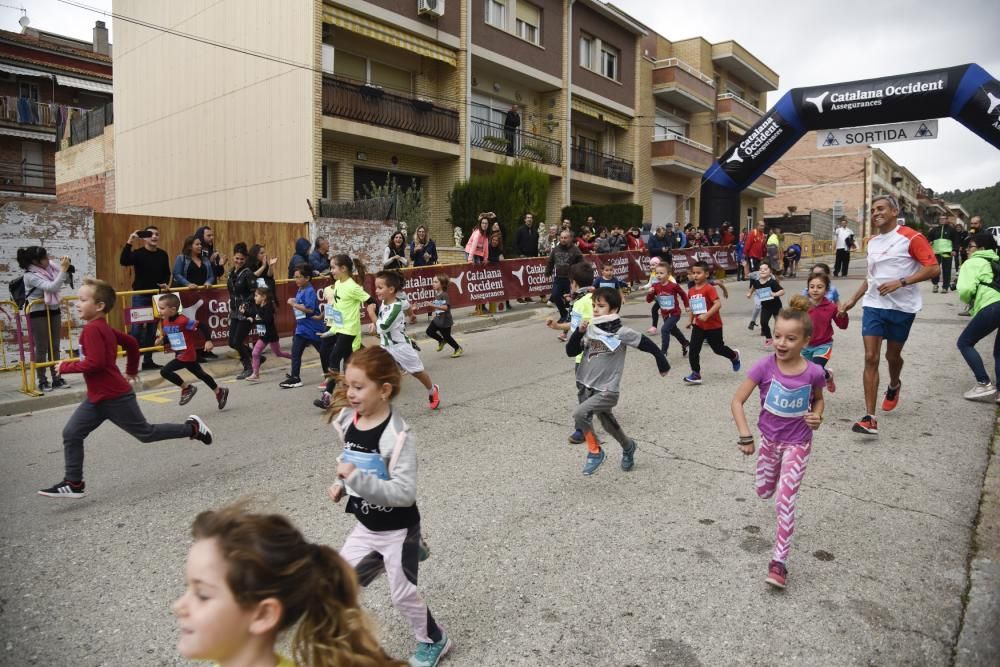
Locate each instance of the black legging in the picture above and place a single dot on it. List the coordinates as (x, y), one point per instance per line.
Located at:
(337, 349)
(169, 373)
(768, 309)
(238, 332)
(441, 335)
(714, 339)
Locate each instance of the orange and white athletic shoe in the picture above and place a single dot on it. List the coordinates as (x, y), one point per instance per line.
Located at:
(891, 399)
(434, 398)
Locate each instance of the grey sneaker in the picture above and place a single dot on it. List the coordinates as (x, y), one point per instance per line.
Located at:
(628, 456)
(980, 392)
(594, 462)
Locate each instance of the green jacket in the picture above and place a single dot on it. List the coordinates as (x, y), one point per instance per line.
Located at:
(975, 278)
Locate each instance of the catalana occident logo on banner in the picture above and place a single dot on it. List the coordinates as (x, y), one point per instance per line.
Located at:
(982, 111)
(481, 284)
(740, 162)
(891, 99)
(530, 277)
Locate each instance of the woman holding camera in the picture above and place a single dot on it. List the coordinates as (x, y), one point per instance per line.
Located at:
(43, 281)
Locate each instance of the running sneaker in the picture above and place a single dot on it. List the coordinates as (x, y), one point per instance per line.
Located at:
(944, 290)
(776, 574)
(253, 378)
(247, 372)
(694, 378)
(44, 386)
(457, 353)
(651, 330)
(684, 350)
(628, 456)
(323, 401)
(187, 393)
(935, 289)
(65, 489)
(221, 396)
(751, 325)
(59, 383)
(434, 399)
(768, 342)
(290, 382)
(576, 437)
(322, 386)
(831, 386)
(891, 399)
(980, 391)
(866, 425)
(429, 654)
(201, 430)
(562, 338)
(594, 462)
(736, 362)
(440, 346)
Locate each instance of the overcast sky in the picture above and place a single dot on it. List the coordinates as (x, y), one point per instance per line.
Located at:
(806, 43)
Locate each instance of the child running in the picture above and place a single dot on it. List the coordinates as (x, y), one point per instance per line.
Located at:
(822, 312)
(390, 326)
(581, 276)
(308, 325)
(378, 472)
(440, 327)
(602, 342)
(109, 395)
(832, 293)
(178, 330)
(754, 275)
(655, 312)
(251, 577)
(769, 291)
(343, 299)
(608, 279)
(262, 321)
(791, 408)
(668, 296)
(707, 322)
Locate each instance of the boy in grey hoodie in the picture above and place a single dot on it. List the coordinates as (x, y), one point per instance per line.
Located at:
(602, 341)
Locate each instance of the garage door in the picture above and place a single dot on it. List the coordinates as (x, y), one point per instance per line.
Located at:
(664, 209)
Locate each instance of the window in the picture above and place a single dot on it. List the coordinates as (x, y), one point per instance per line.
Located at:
(365, 70)
(489, 109)
(29, 90)
(351, 66)
(733, 89)
(496, 13)
(609, 61)
(529, 18)
(587, 51)
(667, 126)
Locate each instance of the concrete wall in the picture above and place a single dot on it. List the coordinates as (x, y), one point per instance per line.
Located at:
(364, 239)
(202, 131)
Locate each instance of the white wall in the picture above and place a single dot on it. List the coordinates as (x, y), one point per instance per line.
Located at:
(206, 132)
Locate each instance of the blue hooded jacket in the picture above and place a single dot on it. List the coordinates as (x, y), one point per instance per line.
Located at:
(301, 256)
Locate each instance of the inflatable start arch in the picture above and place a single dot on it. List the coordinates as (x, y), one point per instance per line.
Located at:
(966, 93)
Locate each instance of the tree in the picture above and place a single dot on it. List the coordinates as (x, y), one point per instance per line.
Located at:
(510, 192)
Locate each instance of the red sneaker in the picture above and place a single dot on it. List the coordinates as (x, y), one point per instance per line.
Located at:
(434, 400)
(891, 399)
(776, 574)
(866, 425)
(831, 386)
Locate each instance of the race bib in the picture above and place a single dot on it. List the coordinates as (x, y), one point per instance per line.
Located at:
(368, 462)
(261, 330)
(764, 293)
(699, 306)
(665, 301)
(609, 341)
(784, 402)
(177, 341)
(574, 320)
(299, 315)
(334, 317)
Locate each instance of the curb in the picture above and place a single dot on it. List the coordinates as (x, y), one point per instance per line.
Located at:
(978, 639)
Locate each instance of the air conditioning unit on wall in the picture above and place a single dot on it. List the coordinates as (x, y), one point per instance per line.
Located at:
(430, 7)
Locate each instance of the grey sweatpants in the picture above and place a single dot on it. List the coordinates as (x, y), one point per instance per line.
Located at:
(599, 403)
(124, 413)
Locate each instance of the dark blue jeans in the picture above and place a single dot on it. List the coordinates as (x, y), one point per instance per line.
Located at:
(982, 325)
(670, 329)
(145, 333)
(299, 344)
(560, 288)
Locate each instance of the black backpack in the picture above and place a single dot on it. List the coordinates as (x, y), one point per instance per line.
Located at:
(18, 293)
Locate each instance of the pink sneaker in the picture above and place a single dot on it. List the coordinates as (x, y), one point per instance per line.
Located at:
(651, 330)
(253, 378)
(776, 574)
(769, 342)
(831, 386)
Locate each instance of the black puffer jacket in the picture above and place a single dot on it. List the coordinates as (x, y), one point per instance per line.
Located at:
(241, 286)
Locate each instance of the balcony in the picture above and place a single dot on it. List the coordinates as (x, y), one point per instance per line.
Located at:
(680, 85)
(26, 178)
(680, 155)
(91, 124)
(733, 58)
(601, 164)
(24, 111)
(490, 136)
(765, 186)
(736, 110)
(377, 106)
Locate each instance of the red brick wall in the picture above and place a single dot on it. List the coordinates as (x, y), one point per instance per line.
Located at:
(89, 191)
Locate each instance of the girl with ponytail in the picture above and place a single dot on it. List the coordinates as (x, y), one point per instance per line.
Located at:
(251, 577)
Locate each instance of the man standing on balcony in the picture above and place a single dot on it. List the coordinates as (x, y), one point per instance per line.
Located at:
(510, 125)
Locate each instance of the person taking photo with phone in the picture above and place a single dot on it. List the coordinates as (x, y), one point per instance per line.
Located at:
(150, 271)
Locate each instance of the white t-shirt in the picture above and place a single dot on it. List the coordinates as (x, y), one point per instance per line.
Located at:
(841, 234)
(896, 254)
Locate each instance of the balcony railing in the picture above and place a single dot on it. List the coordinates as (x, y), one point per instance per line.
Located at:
(26, 111)
(739, 109)
(377, 106)
(492, 136)
(680, 64)
(601, 164)
(27, 177)
(90, 124)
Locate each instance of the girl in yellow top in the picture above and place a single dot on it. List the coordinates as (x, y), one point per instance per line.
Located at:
(344, 300)
(250, 577)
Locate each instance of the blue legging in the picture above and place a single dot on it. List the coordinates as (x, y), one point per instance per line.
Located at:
(982, 325)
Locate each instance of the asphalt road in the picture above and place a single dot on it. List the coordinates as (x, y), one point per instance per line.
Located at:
(532, 563)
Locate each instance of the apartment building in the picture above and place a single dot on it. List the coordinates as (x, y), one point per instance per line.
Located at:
(703, 97)
(318, 99)
(47, 82)
(843, 177)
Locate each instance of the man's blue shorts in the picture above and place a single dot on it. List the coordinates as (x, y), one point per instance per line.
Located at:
(886, 323)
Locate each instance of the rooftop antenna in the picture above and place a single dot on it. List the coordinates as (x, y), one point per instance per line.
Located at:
(24, 20)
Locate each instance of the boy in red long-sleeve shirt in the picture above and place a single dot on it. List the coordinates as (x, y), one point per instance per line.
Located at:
(668, 296)
(109, 395)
